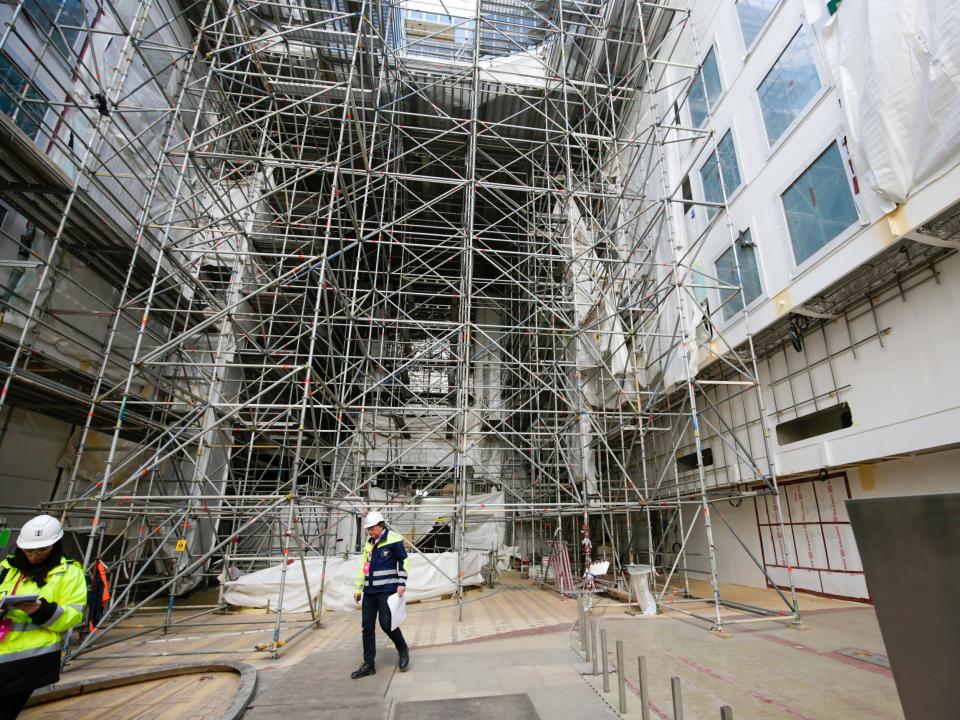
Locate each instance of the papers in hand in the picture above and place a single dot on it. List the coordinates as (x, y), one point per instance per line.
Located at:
(398, 610)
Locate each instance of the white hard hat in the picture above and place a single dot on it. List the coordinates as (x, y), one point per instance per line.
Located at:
(372, 518)
(40, 532)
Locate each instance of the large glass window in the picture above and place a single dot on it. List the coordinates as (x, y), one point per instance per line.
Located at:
(753, 14)
(789, 86)
(20, 99)
(819, 204)
(55, 14)
(705, 90)
(710, 173)
(731, 299)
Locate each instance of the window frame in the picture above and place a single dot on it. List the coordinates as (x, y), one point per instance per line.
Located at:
(720, 95)
(39, 86)
(66, 54)
(731, 195)
(836, 137)
(771, 16)
(812, 103)
(750, 304)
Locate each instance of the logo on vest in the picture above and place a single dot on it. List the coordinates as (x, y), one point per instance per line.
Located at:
(385, 553)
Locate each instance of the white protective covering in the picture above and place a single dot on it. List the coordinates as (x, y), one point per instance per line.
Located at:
(604, 356)
(484, 529)
(432, 575)
(897, 65)
(640, 588)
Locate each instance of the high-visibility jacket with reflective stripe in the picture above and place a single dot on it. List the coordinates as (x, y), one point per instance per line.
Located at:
(388, 564)
(65, 590)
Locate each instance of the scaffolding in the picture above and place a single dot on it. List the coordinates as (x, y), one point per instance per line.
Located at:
(270, 255)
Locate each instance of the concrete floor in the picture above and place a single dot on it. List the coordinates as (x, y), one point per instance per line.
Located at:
(518, 640)
(539, 668)
(766, 670)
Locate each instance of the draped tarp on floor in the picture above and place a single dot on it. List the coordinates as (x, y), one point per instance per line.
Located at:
(432, 575)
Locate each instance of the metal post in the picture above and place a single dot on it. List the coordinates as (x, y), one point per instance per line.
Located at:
(642, 671)
(726, 712)
(603, 659)
(677, 698)
(621, 683)
(593, 645)
(583, 629)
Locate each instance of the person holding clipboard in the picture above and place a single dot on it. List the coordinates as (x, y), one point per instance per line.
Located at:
(382, 574)
(42, 595)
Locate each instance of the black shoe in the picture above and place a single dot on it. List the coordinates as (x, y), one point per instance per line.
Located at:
(363, 671)
(404, 660)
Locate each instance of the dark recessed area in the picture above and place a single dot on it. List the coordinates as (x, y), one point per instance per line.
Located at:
(688, 463)
(816, 423)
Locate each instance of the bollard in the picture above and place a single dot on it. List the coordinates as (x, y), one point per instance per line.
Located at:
(677, 698)
(593, 645)
(603, 660)
(621, 685)
(583, 633)
(642, 667)
(726, 712)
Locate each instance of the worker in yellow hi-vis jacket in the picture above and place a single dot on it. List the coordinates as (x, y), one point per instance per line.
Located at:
(31, 630)
(382, 572)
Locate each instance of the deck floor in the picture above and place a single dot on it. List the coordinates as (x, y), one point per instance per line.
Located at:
(517, 639)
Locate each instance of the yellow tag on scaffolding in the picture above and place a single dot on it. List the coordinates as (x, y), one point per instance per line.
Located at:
(181, 544)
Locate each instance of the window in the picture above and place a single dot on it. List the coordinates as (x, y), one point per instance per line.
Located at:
(789, 86)
(753, 15)
(731, 299)
(705, 90)
(819, 205)
(43, 13)
(712, 171)
(20, 99)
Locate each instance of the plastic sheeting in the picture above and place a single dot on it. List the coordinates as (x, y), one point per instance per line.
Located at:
(432, 575)
(604, 355)
(640, 588)
(484, 529)
(897, 66)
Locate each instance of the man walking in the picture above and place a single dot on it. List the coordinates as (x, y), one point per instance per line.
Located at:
(383, 571)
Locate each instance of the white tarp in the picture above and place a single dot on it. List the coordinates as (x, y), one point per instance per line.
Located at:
(640, 588)
(897, 65)
(432, 575)
(484, 529)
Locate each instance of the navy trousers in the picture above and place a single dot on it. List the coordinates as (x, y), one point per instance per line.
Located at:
(373, 605)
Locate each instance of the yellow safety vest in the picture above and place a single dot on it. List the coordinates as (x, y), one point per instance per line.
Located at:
(65, 586)
(366, 560)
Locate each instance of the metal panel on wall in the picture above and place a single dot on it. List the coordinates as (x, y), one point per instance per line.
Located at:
(910, 548)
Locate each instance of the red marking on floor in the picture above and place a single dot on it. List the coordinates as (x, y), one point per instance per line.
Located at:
(766, 699)
(852, 662)
(636, 691)
(503, 636)
(776, 703)
(705, 670)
